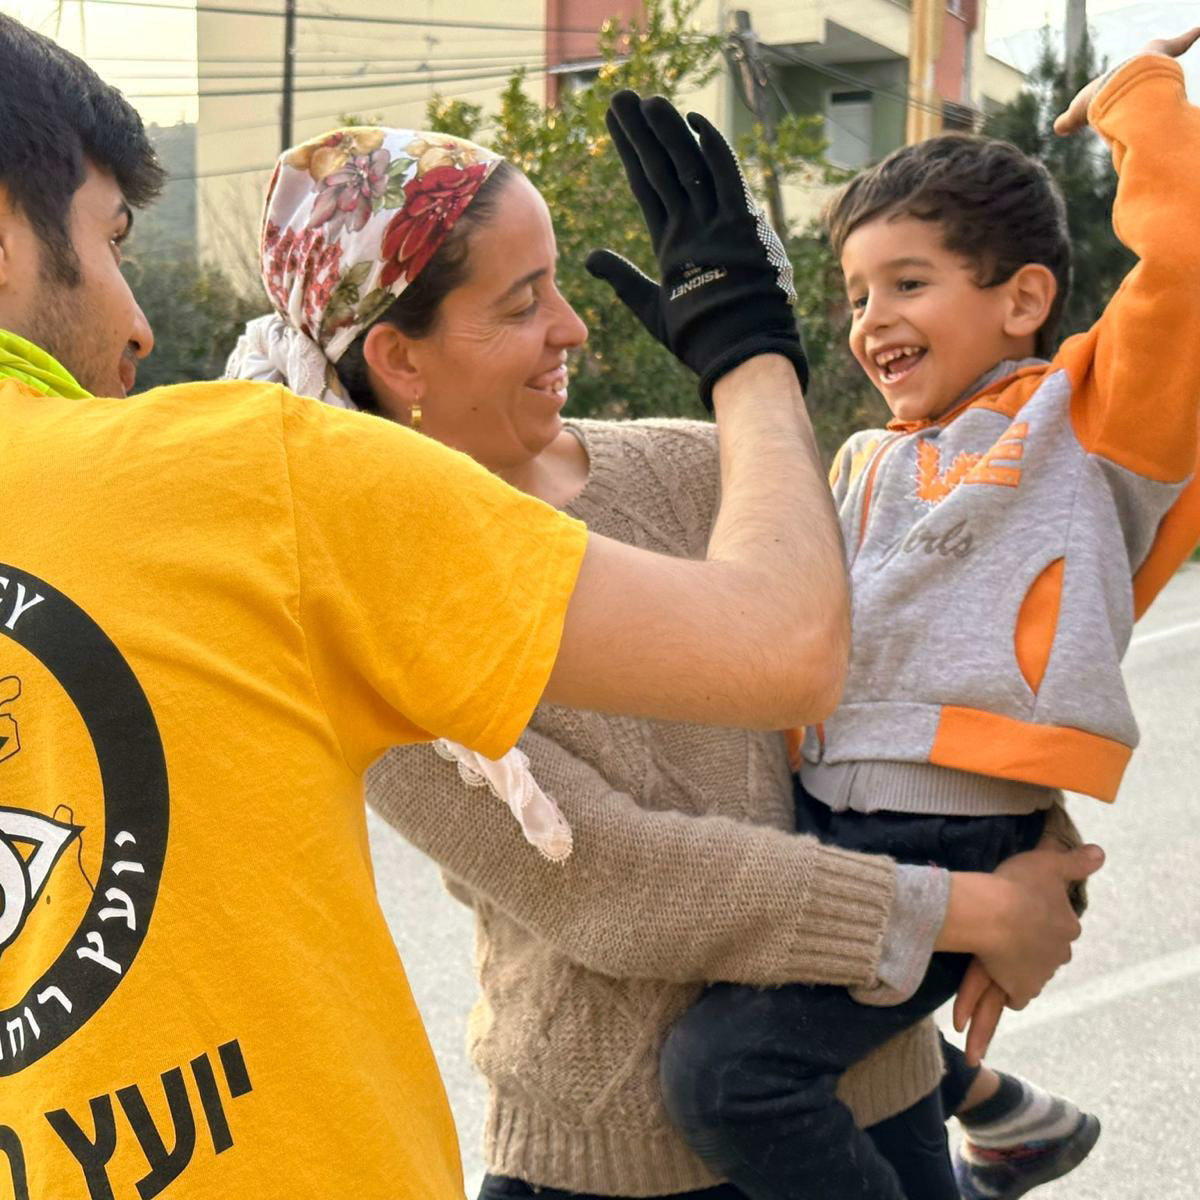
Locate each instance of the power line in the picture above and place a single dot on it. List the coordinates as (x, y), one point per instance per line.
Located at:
(306, 118)
(250, 59)
(854, 81)
(483, 88)
(428, 76)
(423, 80)
(357, 18)
(444, 38)
(268, 66)
(487, 59)
(301, 118)
(333, 118)
(221, 174)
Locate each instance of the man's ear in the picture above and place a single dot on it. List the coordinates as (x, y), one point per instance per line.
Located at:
(1031, 291)
(7, 212)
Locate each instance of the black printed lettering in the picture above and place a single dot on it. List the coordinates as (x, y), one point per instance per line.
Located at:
(92, 1156)
(210, 1101)
(165, 1165)
(234, 1066)
(10, 1146)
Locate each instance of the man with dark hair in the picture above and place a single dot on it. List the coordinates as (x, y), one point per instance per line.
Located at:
(74, 162)
(218, 604)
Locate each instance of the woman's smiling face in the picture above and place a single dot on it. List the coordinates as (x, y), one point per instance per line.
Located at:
(493, 377)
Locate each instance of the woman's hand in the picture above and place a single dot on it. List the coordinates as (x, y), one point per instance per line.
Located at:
(726, 283)
(1018, 920)
(977, 1008)
(1041, 924)
(981, 1000)
(1075, 116)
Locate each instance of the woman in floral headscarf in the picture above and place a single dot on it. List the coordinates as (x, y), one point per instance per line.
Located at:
(413, 276)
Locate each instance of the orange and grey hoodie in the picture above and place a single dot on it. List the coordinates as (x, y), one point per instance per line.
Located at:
(1000, 554)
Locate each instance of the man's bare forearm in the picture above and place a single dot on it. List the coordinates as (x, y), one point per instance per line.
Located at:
(777, 524)
(758, 634)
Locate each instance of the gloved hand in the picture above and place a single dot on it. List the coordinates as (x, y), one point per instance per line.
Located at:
(726, 291)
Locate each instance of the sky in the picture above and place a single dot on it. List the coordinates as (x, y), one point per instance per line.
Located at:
(143, 49)
(1005, 17)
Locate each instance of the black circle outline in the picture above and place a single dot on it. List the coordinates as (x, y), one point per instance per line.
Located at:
(133, 776)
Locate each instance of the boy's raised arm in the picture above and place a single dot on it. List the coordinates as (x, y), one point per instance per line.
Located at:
(1136, 374)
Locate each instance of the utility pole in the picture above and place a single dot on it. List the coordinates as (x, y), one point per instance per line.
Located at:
(750, 73)
(924, 117)
(289, 74)
(1076, 30)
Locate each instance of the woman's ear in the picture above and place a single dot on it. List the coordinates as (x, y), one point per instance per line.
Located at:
(393, 370)
(1031, 292)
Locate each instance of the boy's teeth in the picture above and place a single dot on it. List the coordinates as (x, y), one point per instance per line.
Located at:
(897, 362)
(887, 356)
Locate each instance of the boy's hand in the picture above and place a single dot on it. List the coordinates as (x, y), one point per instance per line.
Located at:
(1076, 115)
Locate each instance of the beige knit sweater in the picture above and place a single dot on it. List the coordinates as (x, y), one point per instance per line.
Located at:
(583, 966)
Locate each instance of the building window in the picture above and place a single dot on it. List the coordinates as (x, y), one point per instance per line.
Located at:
(960, 116)
(848, 129)
(565, 77)
(576, 79)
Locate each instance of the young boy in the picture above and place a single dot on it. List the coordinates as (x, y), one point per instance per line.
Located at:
(1003, 534)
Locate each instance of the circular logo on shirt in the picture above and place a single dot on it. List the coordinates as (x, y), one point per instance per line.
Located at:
(83, 818)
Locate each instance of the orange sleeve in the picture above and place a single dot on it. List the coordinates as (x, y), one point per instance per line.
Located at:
(1136, 374)
(1178, 536)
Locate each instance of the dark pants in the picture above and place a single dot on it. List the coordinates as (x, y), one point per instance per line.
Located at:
(749, 1074)
(957, 1080)
(500, 1187)
(917, 1155)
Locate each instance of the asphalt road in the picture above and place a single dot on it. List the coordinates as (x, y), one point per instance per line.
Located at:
(1118, 1030)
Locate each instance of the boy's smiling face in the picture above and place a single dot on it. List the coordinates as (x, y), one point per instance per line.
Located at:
(922, 328)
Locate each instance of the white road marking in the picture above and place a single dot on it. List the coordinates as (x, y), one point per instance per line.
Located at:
(1116, 985)
(1158, 635)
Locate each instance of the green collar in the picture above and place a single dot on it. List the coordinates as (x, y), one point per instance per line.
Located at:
(35, 368)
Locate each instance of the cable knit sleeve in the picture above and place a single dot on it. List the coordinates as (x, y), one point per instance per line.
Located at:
(646, 894)
(692, 456)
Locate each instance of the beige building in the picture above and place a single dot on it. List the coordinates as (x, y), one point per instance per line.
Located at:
(877, 72)
(380, 72)
(852, 62)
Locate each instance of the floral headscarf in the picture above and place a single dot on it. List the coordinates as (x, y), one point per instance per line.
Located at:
(351, 219)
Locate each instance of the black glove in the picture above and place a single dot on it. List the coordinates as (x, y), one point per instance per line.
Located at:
(726, 292)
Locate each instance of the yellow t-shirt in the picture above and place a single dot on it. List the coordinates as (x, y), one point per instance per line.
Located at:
(218, 604)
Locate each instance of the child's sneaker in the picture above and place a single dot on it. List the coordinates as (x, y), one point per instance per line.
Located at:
(1005, 1171)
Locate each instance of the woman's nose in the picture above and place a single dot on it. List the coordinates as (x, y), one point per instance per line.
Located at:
(568, 329)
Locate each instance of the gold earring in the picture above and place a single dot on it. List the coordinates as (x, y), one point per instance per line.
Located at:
(414, 418)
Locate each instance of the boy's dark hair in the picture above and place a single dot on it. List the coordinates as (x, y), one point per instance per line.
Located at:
(997, 207)
(55, 113)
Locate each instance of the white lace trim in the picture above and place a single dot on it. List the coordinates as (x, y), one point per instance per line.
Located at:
(510, 780)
